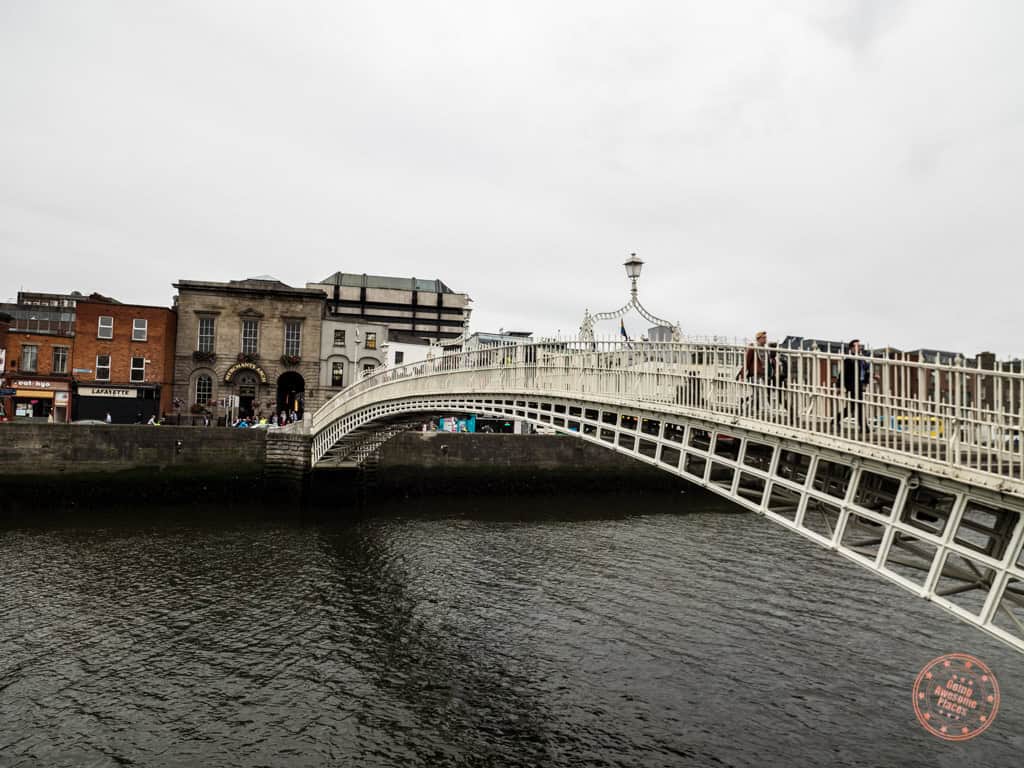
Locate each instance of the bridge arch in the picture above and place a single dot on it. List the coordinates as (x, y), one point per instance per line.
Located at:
(919, 509)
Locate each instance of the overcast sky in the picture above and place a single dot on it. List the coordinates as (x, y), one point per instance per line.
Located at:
(830, 168)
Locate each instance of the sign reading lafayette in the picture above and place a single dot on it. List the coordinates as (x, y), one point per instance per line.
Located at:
(107, 392)
(230, 373)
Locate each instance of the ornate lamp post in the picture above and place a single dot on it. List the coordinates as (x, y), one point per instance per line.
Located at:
(633, 266)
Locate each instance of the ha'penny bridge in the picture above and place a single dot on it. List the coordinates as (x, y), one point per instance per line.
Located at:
(918, 477)
(930, 494)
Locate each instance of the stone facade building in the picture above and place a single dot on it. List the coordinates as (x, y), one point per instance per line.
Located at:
(247, 348)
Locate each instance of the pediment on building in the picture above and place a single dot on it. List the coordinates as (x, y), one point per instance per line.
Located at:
(250, 312)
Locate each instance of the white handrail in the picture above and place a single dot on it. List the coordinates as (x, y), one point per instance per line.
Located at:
(963, 415)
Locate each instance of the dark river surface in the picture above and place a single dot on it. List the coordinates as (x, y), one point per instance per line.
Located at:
(665, 630)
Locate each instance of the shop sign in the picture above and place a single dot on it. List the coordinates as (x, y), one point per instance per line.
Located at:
(107, 392)
(61, 398)
(230, 373)
(5, 392)
(33, 384)
(81, 370)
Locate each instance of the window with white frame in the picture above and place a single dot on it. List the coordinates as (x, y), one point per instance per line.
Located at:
(204, 389)
(292, 337)
(102, 367)
(60, 359)
(337, 374)
(205, 334)
(399, 358)
(339, 338)
(105, 329)
(250, 336)
(29, 357)
(371, 340)
(140, 329)
(138, 369)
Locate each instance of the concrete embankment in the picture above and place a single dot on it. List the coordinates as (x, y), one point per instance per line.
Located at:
(45, 466)
(61, 464)
(440, 463)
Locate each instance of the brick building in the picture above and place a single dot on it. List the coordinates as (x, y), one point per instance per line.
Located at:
(247, 347)
(6, 401)
(123, 361)
(35, 370)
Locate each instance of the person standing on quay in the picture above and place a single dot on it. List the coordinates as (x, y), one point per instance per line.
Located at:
(108, 419)
(856, 377)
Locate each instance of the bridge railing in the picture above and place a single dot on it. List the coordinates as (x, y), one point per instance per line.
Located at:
(955, 412)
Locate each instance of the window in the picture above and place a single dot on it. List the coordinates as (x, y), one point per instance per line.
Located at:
(60, 359)
(138, 369)
(29, 357)
(339, 338)
(399, 358)
(292, 337)
(204, 389)
(250, 336)
(102, 367)
(140, 329)
(337, 373)
(371, 340)
(105, 330)
(206, 334)
(367, 367)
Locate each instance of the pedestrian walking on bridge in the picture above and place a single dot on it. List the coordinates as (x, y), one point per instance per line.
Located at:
(856, 378)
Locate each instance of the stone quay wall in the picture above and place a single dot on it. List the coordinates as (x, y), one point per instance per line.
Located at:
(287, 455)
(430, 462)
(57, 449)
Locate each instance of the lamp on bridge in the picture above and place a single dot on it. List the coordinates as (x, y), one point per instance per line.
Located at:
(633, 266)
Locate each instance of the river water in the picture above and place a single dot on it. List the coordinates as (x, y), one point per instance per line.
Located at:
(666, 630)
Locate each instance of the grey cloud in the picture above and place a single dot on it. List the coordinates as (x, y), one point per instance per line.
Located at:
(520, 152)
(856, 24)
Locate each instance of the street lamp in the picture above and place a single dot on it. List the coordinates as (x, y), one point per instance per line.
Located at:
(633, 266)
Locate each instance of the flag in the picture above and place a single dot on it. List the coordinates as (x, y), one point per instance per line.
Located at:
(622, 330)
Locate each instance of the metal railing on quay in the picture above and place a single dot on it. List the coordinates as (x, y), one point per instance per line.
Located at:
(961, 415)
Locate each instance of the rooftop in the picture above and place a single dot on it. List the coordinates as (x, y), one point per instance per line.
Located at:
(261, 284)
(382, 281)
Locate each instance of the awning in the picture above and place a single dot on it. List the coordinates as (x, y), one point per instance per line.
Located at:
(37, 393)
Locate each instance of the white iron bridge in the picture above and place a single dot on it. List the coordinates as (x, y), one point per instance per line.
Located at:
(918, 475)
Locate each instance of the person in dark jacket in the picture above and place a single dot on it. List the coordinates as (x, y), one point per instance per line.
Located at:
(856, 378)
(755, 368)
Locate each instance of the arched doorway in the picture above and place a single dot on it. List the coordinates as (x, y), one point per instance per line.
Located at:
(291, 393)
(248, 392)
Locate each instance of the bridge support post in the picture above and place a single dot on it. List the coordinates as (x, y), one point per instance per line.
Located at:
(288, 460)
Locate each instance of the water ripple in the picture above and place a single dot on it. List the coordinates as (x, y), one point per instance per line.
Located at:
(659, 631)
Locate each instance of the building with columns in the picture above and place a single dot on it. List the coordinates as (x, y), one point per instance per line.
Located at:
(247, 348)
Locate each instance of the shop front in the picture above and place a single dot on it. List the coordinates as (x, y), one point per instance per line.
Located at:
(125, 405)
(38, 398)
(249, 381)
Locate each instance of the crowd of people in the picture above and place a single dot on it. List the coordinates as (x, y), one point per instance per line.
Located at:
(259, 421)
